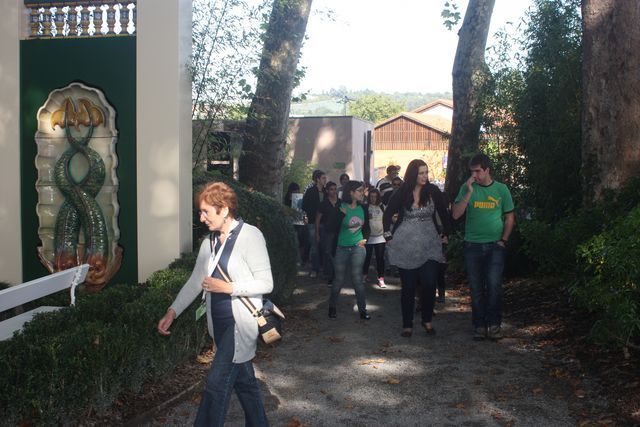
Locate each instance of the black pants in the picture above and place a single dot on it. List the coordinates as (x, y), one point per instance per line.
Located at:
(379, 250)
(426, 277)
(442, 269)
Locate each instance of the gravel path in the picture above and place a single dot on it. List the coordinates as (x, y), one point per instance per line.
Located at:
(349, 372)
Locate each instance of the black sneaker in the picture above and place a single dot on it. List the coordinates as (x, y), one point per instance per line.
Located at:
(332, 313)
(479, 333)
(364, 315)
(495, 333)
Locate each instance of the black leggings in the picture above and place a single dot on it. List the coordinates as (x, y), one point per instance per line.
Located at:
(379, 249)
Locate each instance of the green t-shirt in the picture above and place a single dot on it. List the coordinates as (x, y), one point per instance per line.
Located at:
(485, 211)
(351, 225)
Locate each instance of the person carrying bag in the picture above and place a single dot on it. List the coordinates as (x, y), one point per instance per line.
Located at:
(241, 251)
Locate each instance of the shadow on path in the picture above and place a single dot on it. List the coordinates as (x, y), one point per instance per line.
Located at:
(350, 372)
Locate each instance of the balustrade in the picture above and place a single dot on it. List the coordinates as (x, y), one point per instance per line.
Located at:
(82, 19)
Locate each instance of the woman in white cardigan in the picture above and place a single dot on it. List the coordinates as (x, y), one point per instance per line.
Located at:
(240, 250)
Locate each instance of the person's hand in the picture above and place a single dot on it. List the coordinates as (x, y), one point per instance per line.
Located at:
(166, 321)
(362, 242)
(445, 239)
(501, 243)
(470, 182)
(343, 210)
(394, 218)
(211, 284)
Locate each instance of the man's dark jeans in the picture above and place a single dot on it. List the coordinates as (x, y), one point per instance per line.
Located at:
(485, 263)
(225, 376)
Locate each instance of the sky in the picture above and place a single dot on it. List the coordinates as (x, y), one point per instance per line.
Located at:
(387, 46)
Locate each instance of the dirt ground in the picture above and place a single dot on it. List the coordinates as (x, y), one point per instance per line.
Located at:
(349, 372)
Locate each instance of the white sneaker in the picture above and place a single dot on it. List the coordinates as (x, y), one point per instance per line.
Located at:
(381, 283)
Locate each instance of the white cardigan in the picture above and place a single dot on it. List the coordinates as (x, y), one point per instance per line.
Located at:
(250, 272)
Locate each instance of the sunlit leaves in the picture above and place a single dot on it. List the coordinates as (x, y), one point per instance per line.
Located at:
(450, 14)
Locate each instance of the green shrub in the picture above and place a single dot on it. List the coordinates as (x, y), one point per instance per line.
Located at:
(552, 247)
(455, 252)
(79, 358)
(609, 280)
(297, 171)
(275, 222)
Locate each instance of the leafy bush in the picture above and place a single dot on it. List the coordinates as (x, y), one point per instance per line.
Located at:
(80, 358)
(609, 281)
(275, 222)
(297, 171)
(552, 247)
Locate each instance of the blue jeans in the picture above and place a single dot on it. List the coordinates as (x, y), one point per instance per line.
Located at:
(224, 376)
(485, 263)
(426, 276)
(345, 255)
(314, 249)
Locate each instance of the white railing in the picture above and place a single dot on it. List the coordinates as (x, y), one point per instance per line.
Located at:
(80, 19)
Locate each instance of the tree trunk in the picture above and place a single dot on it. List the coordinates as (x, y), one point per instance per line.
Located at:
(262, 162)
(469, 75)
(611, 94)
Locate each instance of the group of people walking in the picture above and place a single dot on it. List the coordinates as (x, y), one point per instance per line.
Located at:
(407, 222)
(411, 226)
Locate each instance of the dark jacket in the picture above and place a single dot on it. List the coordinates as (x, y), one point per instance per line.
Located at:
(311, 203)
(398, 206)
(330, 215)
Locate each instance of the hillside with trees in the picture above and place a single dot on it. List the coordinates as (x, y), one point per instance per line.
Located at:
(331, 102)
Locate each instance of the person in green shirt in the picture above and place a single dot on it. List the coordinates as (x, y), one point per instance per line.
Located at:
(488, 225)
(354, 228)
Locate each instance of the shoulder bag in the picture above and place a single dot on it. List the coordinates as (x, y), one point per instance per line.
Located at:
(269, 317)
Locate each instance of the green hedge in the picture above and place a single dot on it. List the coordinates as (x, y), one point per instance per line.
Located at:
(67, 362)
(80, 359)
(595, 250)
(609, 281)
(552, 246)
(275, 222)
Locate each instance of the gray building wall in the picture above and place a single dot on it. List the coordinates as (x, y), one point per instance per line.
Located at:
(334, 143)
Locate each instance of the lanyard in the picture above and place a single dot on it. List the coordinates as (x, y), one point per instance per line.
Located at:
(213, 260)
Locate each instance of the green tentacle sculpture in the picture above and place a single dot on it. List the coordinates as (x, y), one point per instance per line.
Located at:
(80, 209)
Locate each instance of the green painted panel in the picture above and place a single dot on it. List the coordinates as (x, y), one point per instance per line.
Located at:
(109, 65)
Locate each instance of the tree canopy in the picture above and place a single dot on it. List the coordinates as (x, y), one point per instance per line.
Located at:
(375, 108)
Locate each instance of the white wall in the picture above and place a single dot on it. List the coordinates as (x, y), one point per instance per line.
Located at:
(440, 110)
(358, 130)
(163, 133)
(10, 223)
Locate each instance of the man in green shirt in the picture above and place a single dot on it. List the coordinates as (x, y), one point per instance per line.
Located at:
(488, 225)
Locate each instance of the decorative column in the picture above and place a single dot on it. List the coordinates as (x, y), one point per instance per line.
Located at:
(163, 133)
(10, 218)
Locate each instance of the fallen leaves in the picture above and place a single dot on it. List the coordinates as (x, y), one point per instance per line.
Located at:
(392, 380)
(336, 339)
(295, 422)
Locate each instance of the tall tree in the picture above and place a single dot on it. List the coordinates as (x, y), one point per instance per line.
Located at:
(375, 108)
(261, 165)
(470, 73)
(226, 46)
(611, 94)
